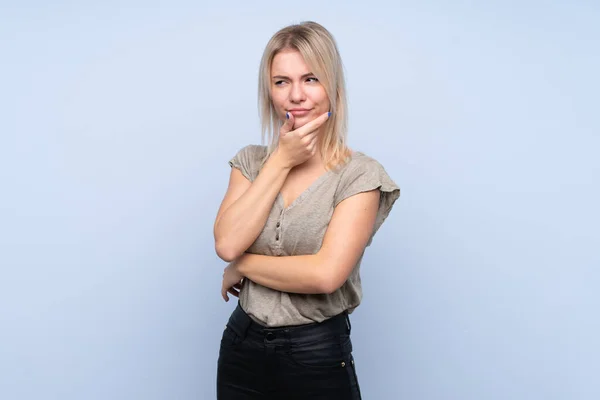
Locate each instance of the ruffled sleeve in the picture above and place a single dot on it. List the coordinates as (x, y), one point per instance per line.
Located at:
(366, 175)
(247, 160)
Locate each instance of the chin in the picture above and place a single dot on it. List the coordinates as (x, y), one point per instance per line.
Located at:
(299, 124)
(306, 118)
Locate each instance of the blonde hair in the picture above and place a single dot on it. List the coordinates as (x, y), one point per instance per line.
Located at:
(319, 50)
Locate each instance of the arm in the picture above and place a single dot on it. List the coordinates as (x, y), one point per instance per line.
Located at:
(347, 235)
(246, 207)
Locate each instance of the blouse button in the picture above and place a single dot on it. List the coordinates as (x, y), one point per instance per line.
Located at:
(277, 237)
(278, 224)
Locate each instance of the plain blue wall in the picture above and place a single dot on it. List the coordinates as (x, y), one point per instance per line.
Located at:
(117, 122)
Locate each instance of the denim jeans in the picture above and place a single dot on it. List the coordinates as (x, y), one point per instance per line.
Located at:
(303, 362)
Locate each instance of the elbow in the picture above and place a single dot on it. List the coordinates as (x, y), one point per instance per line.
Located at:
(326, 276)
(328, 283)
(226, 253)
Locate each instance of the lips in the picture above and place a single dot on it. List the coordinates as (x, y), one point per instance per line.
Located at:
(299, 112)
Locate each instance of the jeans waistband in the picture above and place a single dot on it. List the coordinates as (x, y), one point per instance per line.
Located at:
(244, 326)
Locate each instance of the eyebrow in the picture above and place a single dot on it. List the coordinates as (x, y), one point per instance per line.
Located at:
(285, 77)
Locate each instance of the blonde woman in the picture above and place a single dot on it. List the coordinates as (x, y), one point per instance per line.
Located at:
(294, 224)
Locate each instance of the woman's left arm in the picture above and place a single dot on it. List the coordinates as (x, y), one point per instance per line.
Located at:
(344, 242)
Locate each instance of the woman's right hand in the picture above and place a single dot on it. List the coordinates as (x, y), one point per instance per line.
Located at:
(297, 146)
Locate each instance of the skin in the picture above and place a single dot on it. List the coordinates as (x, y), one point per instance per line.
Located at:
(293, 87)
(245, 208)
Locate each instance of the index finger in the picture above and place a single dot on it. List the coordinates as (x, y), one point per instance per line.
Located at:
(313, 125)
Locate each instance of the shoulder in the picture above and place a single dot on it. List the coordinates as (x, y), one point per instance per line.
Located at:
(361, 163)
(363, 172)
(248, 160)
(253, 150)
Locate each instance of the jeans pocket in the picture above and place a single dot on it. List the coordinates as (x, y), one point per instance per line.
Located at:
(230, 339)
(328, 353)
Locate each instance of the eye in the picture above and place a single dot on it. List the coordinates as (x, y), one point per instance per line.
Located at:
(278, 83)
(312, 79)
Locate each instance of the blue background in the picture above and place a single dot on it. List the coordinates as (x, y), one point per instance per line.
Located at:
(117, 120)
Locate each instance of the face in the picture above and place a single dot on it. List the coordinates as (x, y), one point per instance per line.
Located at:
(295, 89)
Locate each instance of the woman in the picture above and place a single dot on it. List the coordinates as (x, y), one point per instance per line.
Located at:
(294, 225)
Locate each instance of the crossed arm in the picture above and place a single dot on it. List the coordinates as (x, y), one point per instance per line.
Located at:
(344, 242)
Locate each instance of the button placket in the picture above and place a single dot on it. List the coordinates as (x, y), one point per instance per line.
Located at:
(278, 228)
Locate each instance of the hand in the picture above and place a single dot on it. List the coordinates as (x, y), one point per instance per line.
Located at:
(297, 146)
(232, 281)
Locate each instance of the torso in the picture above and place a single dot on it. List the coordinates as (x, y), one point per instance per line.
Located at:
(297, 182)
(310, 196)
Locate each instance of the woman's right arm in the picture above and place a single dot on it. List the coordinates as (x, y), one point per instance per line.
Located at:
(246, 207)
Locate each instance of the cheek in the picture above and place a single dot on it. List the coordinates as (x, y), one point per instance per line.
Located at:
(319, 96)
(279, 111)
(278, 101)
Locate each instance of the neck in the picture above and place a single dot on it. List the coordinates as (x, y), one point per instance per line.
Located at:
(313, 162)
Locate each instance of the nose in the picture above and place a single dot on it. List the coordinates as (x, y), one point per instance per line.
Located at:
(297, 93)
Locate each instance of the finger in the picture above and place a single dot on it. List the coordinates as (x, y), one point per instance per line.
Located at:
(311, 141)
(310, 136)
(224, 294)
(288, 125)
(313, 125)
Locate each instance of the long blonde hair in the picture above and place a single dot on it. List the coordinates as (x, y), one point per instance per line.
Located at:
(319, 50)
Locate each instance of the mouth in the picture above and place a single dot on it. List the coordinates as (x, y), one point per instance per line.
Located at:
(299, 112)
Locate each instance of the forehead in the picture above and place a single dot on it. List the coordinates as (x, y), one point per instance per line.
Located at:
(289, 63)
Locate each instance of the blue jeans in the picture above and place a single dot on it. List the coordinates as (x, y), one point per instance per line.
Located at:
(304, 362)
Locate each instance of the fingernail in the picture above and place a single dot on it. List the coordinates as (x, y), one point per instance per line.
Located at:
(287, 115)
(329, 114)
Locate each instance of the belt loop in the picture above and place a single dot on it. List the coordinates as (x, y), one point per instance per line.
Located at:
(348, 324)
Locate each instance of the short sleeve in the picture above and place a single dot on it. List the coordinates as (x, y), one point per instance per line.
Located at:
(247, 160)
(366, 176)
